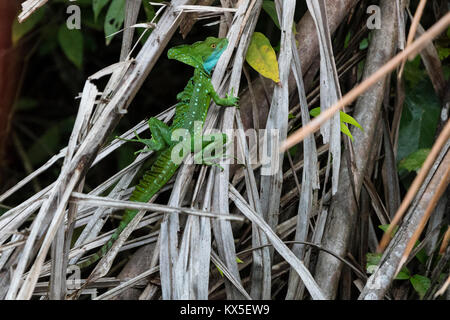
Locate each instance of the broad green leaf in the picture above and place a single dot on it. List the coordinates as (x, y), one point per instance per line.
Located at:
(71, 42)
(421, 284)
(97, 6)
(420, 114)
(114, 19)
(21, 29)
(403, 274)
(421, 255)
(269, 8)
(262, 57)
(415, 160)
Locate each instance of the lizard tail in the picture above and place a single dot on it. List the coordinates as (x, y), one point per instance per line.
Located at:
(105, 248)
(161, 172)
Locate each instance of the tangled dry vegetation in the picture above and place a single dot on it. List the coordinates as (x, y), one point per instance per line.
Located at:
(302, 233)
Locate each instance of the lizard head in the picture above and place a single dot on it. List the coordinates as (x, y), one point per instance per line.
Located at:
(201, 54)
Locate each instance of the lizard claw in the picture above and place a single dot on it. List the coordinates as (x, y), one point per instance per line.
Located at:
(234, 101)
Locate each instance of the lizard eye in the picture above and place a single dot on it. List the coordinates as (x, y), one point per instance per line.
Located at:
(213, 45)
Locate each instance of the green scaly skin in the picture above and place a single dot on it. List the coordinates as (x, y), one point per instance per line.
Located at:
(192, 107)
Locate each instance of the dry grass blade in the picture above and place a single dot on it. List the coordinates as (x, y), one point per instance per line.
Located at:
(390, 66)
(282, 249)
(329, 89)
(444, 288)
(120, 204)
(30, 6)
(193, 8)
(120, 288)
(131, 13)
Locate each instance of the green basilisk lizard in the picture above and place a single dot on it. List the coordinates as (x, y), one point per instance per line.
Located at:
(191, 110)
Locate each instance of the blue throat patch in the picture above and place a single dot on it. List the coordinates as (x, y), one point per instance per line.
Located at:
(211, 62)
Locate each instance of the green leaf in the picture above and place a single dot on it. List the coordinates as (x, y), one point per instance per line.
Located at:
(349, 119)
(364, 44)
(421, 255)
(71, 42)
(314, 112)
(97, 6)
(21, 29)
(373, 260)
(346, 131)
(262, 57)
(420, 114)
(220, 271)
(347, 40)
(421, 284)
(293, 151)
(443, 53)
(403, 274)
(345, 118)
(269, 8)
(415, 160)
(384, 227)
(148, 9)
(114, 19)
(239, 260)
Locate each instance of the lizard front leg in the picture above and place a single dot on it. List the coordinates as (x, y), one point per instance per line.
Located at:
(228, 101)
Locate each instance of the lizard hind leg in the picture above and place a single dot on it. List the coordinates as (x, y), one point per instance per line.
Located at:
(160, 136)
